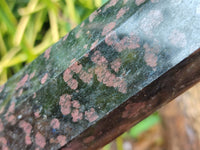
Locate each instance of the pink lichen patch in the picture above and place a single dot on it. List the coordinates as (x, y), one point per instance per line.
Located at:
(40, 140)
(3, 143)
(151, 21)
(32, 75)
(73, 84)
(128, 42)
(85, 46)
(91, 115)
(98, 58)
(47, 53)
(27, 129)
(28, 140)
(131, 42)
(65, 103)
(65, 37)
(62, 140)
(76, 115)
(86, 77)
(178, 39)
(44, 78)
(67, 75)
(121, 12)
(122, 87)
(111, 38)
(76, 104)
(139, 2)
(11, 119)
(109, 27)
(9, 115)
(92, 16)
(1, 126)
(34, 95)
(11, 108)
(101, 71)
(151, 59)
(76, 67)
(110, 4)
(22, 82)
(55, 123)
(52, 140)
(37, 114)
(78, 34)
(25, 126)
(116, 64)
(94, 44)
(109, 79)
(88, 139)
(20, 92)
(1, 88)
(150, 55)
(73, 60)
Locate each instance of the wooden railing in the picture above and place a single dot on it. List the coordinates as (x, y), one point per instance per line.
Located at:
(121, 64)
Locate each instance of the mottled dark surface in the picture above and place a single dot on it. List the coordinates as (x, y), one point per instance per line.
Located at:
(89, 80)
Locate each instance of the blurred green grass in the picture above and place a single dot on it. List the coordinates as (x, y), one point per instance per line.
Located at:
(28, 27)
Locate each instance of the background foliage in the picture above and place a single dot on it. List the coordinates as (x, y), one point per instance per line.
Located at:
(28, 27)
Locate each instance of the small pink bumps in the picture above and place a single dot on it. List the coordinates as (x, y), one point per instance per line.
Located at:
(109, 27)
(62, 140)
(76, 115)
(121, 12)
(116, 64)
(47, 53)
(22, 82)
(44, 78)
(139, 2)
(27, 129)
(65, 103)
(91, 115)
(40, 140)
(55, 123)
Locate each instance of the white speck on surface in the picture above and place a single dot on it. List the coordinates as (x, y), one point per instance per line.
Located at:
(44, 116)
(19, 117)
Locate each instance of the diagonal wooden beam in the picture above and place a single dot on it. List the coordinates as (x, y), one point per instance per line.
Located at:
(121, 64)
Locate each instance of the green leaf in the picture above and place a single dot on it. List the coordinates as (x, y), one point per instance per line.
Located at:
(144, 125)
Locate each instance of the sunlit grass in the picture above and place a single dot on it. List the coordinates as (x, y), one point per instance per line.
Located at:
(28, 27)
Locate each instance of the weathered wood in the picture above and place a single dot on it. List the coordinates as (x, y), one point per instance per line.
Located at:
(120, 65)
